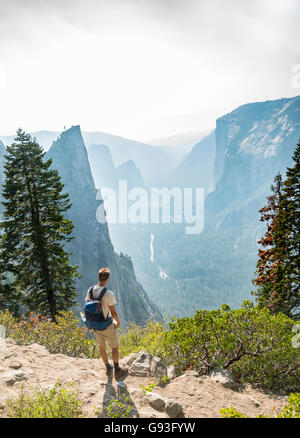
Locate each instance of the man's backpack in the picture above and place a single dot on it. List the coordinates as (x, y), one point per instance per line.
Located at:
(94, 317)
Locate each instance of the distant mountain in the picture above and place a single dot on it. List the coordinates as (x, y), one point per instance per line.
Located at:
(153, 162)
(196, 168)
(180, 144)
(102, 166)
(181, 272)
(253, 143)
(107, 175)
(44, 138)
(129, 172)
(92, 247)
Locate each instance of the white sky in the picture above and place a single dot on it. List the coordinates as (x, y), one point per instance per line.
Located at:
(142, 68)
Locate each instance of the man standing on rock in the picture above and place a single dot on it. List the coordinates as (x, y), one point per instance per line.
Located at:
(109, 334)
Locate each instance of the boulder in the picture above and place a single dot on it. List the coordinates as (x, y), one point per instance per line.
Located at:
(14, 364)
(141, 365)
(225, 377)
(158, 369)
(174, 409)
(156, 401)
(10, 378)
(128, 361)
(171, 372)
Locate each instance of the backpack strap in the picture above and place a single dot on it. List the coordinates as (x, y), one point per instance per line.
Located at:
(90, 294)
(100, 296)
(102, 293)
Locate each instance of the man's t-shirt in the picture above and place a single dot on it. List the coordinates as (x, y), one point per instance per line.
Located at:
(107, 300)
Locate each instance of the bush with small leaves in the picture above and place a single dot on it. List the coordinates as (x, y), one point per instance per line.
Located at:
(118, 408)
(251, 342)
(231, 413)
(149, 388)
(64, 336)
(58, 402)
(291, 410)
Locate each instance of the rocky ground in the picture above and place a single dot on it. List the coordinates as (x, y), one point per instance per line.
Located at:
(188, 395)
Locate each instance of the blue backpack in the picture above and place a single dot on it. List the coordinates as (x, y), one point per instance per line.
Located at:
(94, 317)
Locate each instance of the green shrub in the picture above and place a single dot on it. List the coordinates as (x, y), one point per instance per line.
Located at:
(231, 413)
(58, 402)
(255, 345)
(117, 408)
(136, 338)
(64, 336)
(291, 410)
(148, 388)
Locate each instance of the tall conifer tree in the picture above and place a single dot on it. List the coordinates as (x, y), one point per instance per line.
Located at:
(34, 231)
(278, 276)
(288, 237)
(267, 265)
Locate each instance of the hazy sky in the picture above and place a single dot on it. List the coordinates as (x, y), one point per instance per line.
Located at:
(142, 68)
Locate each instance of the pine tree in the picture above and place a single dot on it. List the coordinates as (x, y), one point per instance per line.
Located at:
(34, 232)
(268, 265)
(288, 231)
(278, 277)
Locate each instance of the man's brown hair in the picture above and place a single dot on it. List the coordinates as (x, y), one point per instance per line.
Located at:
(103, 274)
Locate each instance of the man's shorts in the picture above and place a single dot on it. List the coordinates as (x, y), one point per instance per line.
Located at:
(109, 335)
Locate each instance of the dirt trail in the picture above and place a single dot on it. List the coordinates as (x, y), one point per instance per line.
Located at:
(198, 396)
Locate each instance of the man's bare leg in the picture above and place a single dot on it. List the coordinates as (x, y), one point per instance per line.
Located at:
(104, 357)
(103, 354)
(115, 354)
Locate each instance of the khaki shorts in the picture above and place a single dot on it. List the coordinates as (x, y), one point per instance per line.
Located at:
(109, 335)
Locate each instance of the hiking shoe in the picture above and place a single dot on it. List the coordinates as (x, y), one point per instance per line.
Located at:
(109, 370)
(121, 372)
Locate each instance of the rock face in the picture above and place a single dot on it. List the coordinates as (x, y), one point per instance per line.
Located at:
(253, 143)
(196, 169)
(92, 248)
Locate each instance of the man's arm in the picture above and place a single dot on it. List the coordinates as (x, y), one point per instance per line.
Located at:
(114, 315)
